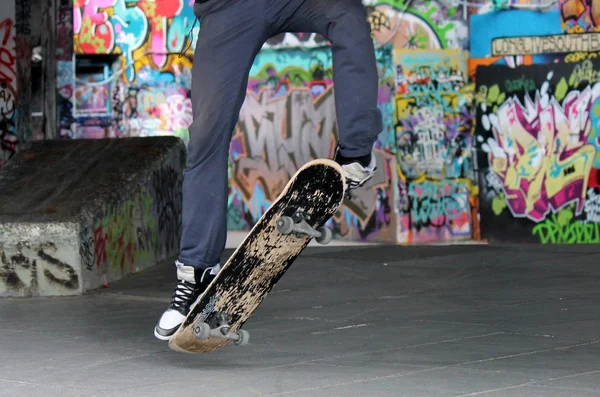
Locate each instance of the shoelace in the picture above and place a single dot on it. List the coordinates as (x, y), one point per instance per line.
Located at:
(182, 297)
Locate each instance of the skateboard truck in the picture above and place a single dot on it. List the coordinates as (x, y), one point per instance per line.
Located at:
(298, 224)
(222, 330)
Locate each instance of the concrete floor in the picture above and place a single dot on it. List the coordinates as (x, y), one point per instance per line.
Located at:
(344, 321)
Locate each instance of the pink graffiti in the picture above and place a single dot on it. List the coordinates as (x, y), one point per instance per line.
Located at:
(540, 152)
(8, 55)
(164, 11)
(96, 32)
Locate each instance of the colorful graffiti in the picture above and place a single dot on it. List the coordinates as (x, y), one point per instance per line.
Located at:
(296, 92)
(426, 25)
(136, 231)
(434, 127)
(145, 32)
(539, 146)
(8, 84)
(579, 16)
(118, 243)
(289, 114)
(509, 24)
(434, 122)
(436, 211)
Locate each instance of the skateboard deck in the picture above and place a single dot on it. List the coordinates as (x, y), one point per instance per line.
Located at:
(307, 202)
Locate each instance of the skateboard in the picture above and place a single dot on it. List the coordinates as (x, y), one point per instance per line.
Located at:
(298, 215)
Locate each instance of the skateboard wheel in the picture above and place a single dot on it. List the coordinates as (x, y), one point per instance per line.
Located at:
(244, 338)
(202, 331)
(285, 225)
(326, 236)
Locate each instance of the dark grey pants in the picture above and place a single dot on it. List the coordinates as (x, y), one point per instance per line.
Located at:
(232, 33)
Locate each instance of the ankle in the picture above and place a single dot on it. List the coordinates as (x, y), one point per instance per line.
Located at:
(362, 160)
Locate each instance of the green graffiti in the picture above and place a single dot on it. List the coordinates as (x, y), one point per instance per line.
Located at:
(128, 233)
(499, 204)
(523, 84)
(492, 97)
(561, 89)
(561, 228)
(584, 72)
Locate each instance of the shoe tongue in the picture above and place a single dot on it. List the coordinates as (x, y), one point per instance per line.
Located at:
(186, 273)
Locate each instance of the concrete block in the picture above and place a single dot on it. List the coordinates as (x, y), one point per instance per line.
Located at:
(77, 215)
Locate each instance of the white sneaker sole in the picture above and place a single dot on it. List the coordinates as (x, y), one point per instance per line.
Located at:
(158, 336)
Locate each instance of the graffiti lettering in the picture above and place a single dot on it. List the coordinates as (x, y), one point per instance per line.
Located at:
(433, 130)
(592, 207)
(8, 57)
(27, 269)
(554, 44)
(438, 204)
(579, 56)
(522, 84)
(584, 72)
(271, 157)
(540, 175)
(562, 229)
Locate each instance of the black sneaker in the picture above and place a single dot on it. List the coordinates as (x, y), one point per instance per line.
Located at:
(186, 292)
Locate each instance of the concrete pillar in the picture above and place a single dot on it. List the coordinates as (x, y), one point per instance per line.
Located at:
(49, 14)
(24, 49)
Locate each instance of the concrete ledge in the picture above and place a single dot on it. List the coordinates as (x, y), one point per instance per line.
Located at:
(75, 215)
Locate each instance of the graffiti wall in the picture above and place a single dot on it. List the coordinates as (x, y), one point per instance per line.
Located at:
(8, 82)
(579, 16)
(288, 118)
(418, 25)
(537, 139)
(146, 91)
(136, 232)
(145, 32)
(423, 190)
(434, 128)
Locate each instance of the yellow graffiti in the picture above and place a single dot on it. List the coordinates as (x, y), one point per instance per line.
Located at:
(584, 72)
(533, 166)
(579, 56)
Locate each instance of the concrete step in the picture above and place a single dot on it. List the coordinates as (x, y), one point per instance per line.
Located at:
(76, 215)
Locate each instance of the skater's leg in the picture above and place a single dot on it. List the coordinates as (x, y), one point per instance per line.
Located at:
(231, 34)
(355, 78)
(344, 23)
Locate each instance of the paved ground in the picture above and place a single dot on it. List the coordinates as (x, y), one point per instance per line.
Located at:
(345, 321)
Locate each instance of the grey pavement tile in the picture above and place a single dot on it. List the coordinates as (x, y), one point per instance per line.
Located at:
(533, 391)
(460, 351)
(548, 363)
(589, 382)
(583, 330)
(15, 389)
(377, 388)
(281, 379)
(538, 314)
(458, 380)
